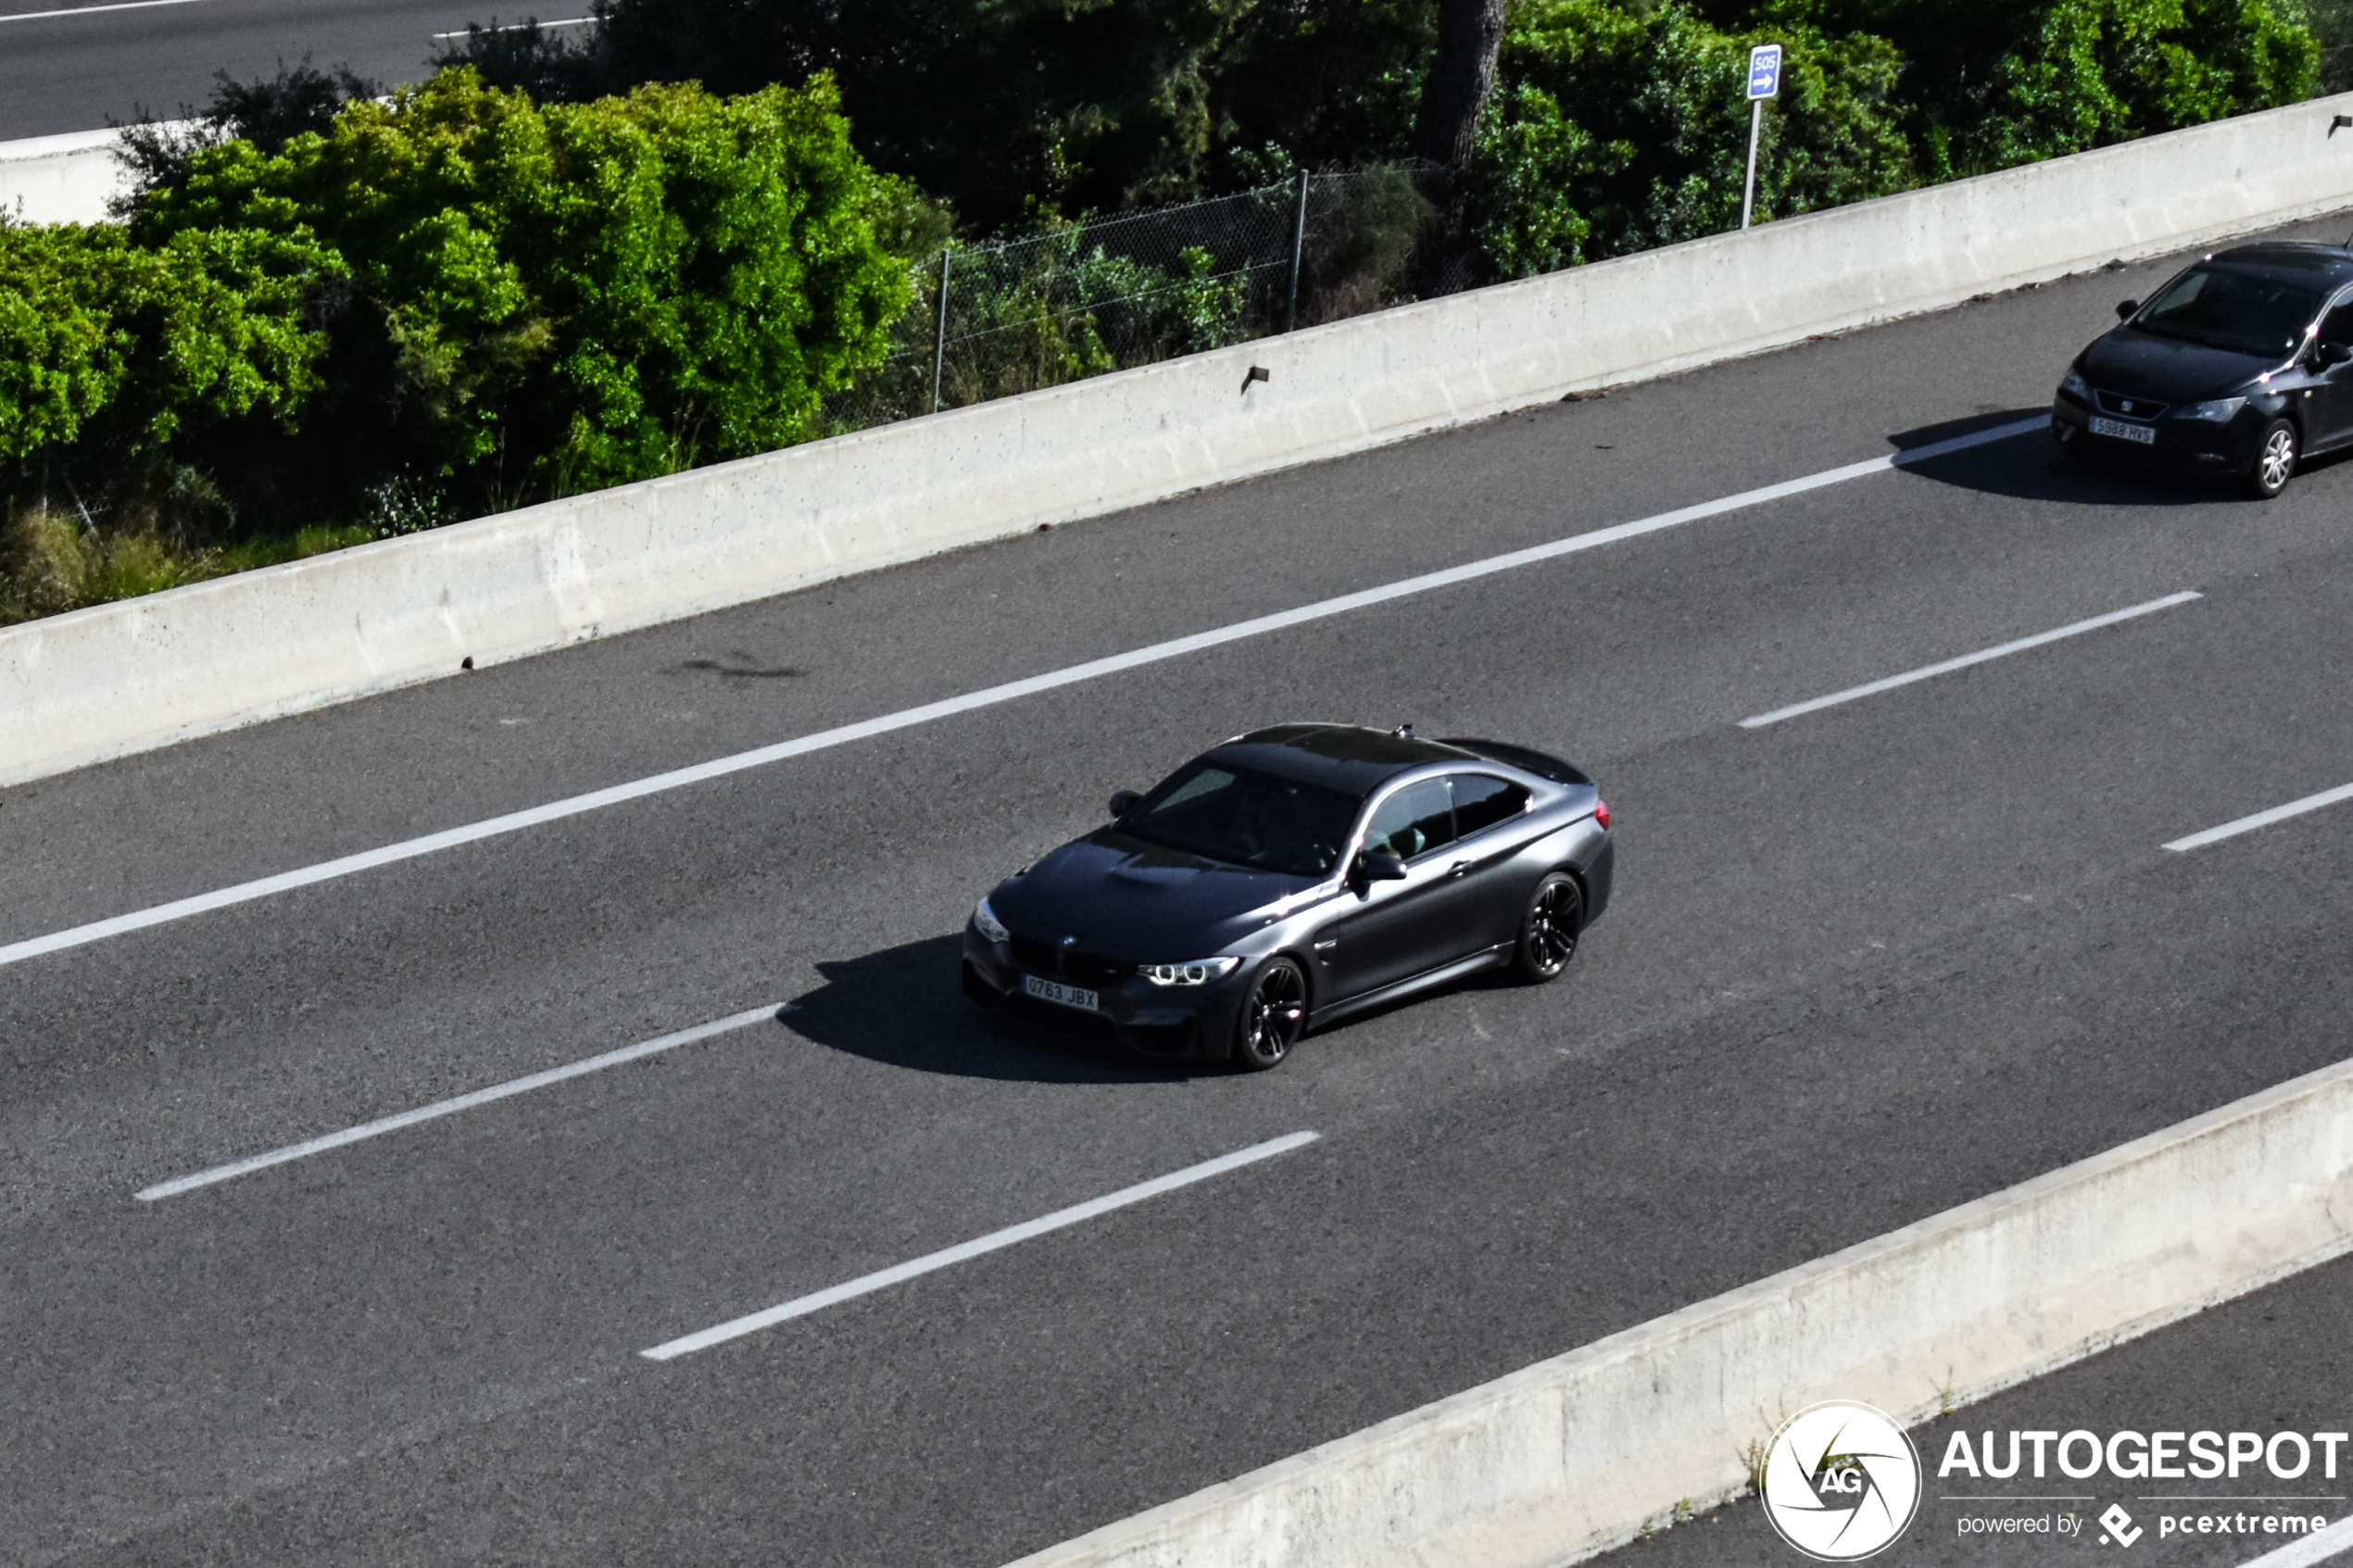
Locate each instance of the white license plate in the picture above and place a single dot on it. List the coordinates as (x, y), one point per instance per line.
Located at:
(1055, 991)
(2122, 431)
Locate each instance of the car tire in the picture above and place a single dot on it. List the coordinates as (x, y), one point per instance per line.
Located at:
(1549, 928)
(2275, 458)
(1274, 1015)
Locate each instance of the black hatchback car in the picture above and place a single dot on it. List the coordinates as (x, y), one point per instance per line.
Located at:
(1292, 876)
(2238, 366)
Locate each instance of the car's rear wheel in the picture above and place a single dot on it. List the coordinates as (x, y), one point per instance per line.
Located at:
(1549, 929)
(1274, 1015)
(2274, 460)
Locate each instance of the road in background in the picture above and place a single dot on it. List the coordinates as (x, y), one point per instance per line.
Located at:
(82, 68)
(1864, 964)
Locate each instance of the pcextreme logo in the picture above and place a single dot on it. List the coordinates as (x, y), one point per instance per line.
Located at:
(1841, 1480)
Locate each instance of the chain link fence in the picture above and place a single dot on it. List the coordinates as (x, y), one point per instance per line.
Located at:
(990, 320)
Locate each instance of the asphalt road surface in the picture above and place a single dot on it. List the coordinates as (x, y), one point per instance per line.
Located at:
(74, 64)
(1863, 964)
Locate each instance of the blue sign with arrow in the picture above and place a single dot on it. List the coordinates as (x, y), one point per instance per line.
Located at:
(1764, 72)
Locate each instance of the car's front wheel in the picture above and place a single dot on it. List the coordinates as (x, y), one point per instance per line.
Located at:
(1549, 929)
(1274, 1015)
(2274, 460)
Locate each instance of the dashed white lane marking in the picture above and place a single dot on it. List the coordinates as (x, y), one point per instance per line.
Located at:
(2332, 1543)
(801, 1306)
(597, 801)
(517, 27)
(2263, 818)
(1930, 672)
(309, 1146)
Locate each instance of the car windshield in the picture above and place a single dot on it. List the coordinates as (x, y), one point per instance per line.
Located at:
(2235, 311)
(1247, 819)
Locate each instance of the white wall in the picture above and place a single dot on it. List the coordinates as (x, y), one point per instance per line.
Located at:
(122, 678)
(60, 178)
(1574, 1455)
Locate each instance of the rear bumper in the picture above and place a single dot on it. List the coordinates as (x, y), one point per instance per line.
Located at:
(1598, 873)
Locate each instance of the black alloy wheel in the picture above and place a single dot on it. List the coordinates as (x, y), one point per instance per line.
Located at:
(1273, 1018)
(2274, 460)
(1548, 931)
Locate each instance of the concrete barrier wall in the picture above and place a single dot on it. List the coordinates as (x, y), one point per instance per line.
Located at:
(60, 178)
(122, 678)
(1574, 1455)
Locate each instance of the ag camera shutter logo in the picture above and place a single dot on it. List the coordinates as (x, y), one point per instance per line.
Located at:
(1841, 1480)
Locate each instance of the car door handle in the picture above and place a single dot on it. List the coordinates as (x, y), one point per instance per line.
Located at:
(1327, 944)
(1461, 868)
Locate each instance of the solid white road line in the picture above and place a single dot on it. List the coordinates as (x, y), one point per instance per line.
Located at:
(1929, 671)
(801, 1306)
(2332, 1543)
(309, 1146)
(555, 810)
(2264, 819)
(87, 10)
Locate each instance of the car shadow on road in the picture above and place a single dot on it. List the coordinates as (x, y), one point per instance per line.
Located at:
(2030, 467)
(902, 1006)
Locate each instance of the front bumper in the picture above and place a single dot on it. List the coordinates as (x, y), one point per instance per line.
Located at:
(2222, 446)
(1157, 1021)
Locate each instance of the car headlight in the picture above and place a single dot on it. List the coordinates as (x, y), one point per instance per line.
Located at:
(985, 920)
(2219, 408)
(1201, 972)
(2076, 386)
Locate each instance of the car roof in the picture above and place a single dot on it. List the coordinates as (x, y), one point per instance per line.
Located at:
(2286, 261)
(1343, 756)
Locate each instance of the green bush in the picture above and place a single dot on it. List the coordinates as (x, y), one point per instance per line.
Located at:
(2000, 83)
(133, 348)
(1616, 127)
(543, 301)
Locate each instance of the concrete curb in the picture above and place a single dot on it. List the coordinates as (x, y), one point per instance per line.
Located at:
(1578, 1454)
(145, 672)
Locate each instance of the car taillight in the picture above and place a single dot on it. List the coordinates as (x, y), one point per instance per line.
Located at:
(1601, 815)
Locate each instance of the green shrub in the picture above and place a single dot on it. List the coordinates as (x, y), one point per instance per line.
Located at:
(2000, 83)
(543, 301)
(1616, 127)
(132, 347)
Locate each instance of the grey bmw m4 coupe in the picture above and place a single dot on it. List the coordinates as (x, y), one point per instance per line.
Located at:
(1289, 877)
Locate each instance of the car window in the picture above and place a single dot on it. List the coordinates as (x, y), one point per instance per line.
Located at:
(1416, 820)
(1247, 819)
(1481, 800)
(2337, 325)
(2235, 311)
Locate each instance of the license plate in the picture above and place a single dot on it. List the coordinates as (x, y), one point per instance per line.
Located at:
(1055, 991)
(2122, 431)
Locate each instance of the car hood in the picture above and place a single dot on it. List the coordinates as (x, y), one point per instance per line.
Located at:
(2167, 369)
(1144, 903)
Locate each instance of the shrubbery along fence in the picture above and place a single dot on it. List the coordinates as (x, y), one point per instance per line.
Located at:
(1078, 299)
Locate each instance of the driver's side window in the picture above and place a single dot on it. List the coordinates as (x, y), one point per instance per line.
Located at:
(2337, 325)
(1416, 820)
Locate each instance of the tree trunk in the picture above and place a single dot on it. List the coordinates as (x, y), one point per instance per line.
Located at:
(1469, 32)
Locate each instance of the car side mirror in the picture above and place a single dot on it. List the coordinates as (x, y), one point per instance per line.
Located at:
(1374, 866)
(2126, 309)
(1125, 801)
(2333, 354)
